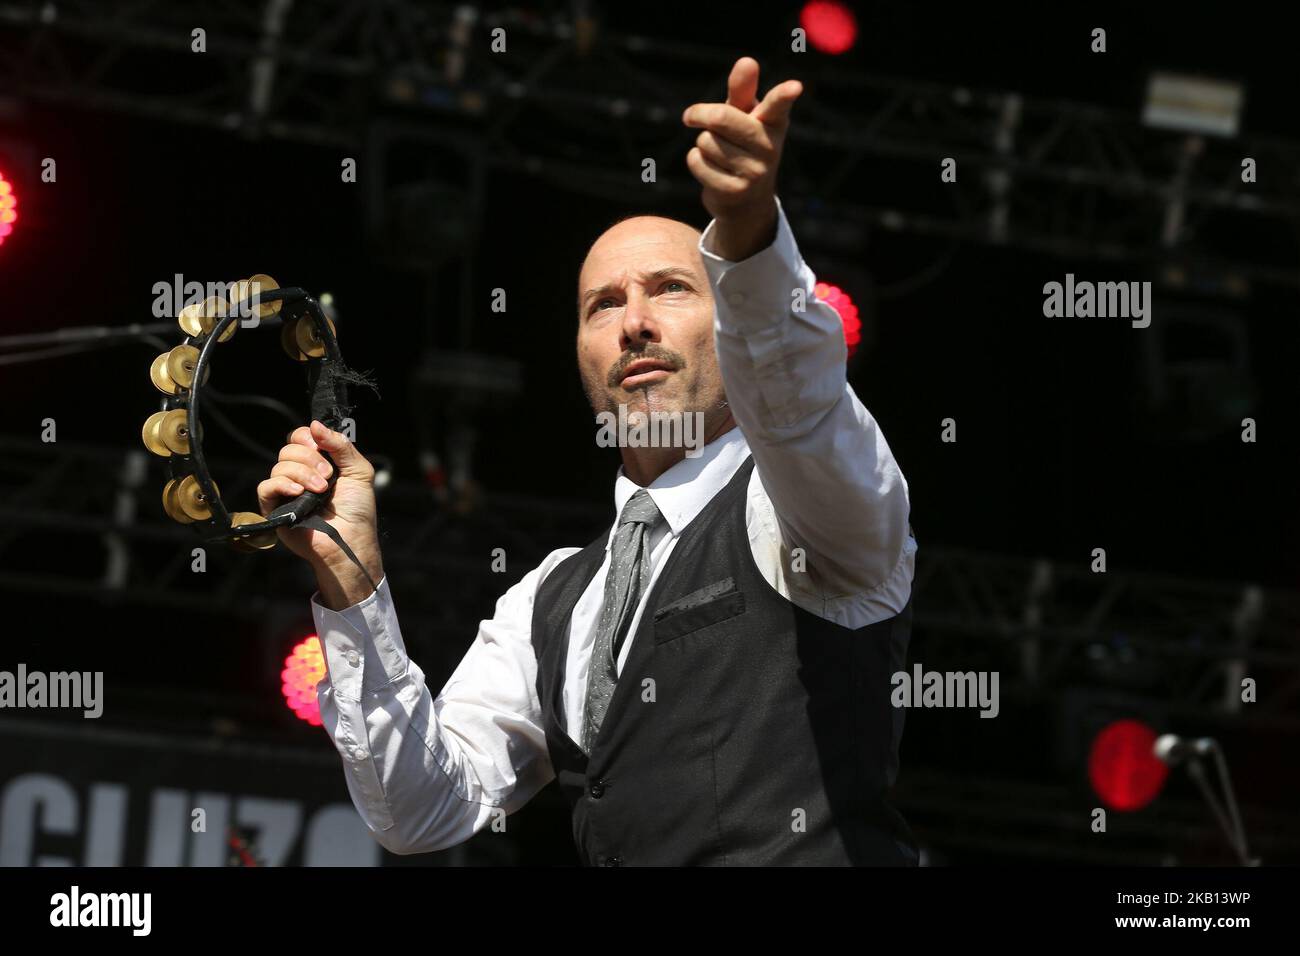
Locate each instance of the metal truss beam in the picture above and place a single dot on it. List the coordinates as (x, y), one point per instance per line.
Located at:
(1044, 624)
(581, 108)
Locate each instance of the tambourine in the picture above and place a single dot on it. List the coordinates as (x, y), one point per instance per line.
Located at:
(175, 433)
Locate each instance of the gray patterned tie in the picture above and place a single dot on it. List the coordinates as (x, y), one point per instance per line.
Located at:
(629, 572)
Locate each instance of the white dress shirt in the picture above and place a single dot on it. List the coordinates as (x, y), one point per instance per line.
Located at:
(428, 772)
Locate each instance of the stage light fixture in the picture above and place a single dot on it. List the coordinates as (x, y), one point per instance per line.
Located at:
(8, 208)
(843, 304)
(831, 27)
(1122, 766)
(1199, 105)
(304, 668)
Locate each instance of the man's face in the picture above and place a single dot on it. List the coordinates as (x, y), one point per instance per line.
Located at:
(645, 321)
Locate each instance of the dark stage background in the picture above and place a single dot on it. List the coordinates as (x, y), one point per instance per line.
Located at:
(1071, 434)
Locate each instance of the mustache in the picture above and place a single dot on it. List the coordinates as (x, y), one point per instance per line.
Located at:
(657, 353)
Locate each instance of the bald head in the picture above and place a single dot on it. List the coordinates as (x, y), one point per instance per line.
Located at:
(639, 237)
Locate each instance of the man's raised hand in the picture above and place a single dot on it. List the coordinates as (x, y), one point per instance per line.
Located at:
(736, 156)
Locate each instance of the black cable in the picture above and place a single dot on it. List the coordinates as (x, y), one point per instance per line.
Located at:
(238, 435)
(244, 399)
(921, 278)
(105, 334)
(73, 348)
(57, 351)
(928, 274)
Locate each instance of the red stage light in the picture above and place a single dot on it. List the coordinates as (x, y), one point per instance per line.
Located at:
(839, 300)
(832, 28)
(8, 208)
(303, 670)
(1123, 767)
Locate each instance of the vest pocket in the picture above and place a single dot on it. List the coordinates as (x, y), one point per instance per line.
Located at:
(680, 621)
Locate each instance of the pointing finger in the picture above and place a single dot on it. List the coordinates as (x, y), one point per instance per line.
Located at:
(742, 84)
(776, 106)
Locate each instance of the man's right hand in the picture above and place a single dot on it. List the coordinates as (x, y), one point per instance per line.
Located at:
(350, 510)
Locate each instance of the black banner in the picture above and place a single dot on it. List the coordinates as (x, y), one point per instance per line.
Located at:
(85, 795)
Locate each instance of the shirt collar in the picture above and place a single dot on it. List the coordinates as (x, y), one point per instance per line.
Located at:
(682, 491)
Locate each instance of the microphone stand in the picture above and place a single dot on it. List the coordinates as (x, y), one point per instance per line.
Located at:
(1233, 829)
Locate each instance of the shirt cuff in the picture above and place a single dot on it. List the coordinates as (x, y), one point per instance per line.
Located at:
(362, 644)
(759, 290)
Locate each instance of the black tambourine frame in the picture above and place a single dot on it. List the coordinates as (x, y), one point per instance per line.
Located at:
(326, 377)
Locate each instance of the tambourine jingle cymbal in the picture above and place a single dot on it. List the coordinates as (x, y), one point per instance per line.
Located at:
(174, 431)
(309, 343)
(180, 365)
(190, 498)
(161, 379)
(289, 339)
(258, 541)
(171, 506)
(152, 439)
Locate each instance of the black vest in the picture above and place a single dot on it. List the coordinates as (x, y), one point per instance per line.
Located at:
(743, 729)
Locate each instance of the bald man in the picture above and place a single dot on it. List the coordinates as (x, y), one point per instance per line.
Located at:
(709, 681)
